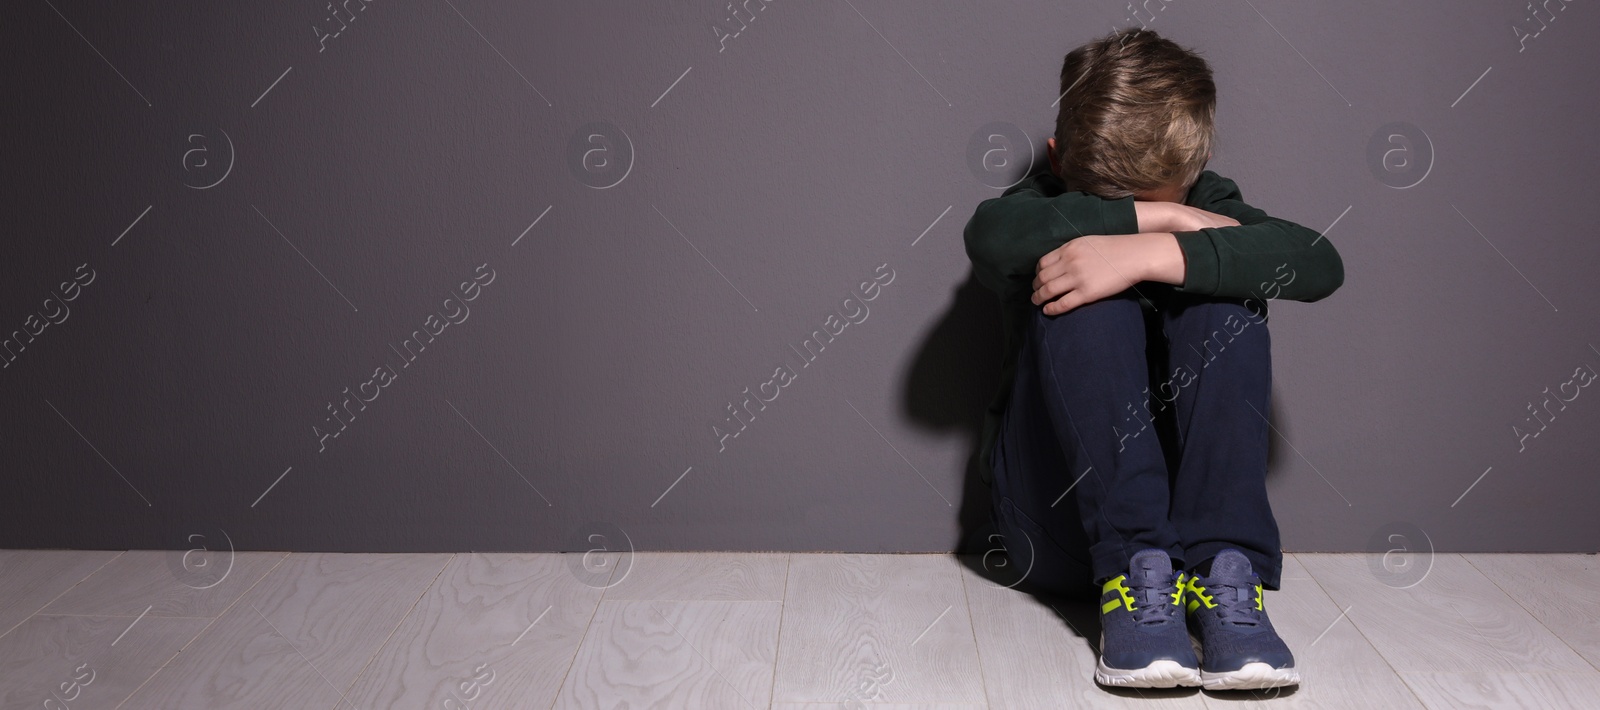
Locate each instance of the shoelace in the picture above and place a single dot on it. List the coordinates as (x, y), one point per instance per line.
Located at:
(1154, 604)
(1234, 605)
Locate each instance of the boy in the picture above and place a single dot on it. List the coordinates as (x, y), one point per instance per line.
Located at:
(1134, 286)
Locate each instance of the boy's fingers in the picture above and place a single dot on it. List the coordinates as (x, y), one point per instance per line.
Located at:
(1050, 289)
(1038, 297)
(1042, 277)
(1067, 302)
(1049, 272)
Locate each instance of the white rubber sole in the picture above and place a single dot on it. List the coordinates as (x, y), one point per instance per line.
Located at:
(1253, 676)
(1159, 674)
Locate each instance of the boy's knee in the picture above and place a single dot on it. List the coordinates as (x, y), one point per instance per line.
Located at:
(1234, 330)
(1231, 319)
(1099, 319)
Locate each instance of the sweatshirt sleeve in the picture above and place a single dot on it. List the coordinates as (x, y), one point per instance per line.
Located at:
(1263, 257)
(1007, 235)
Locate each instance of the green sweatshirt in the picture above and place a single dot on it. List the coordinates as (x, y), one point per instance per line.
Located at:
(1263, 257)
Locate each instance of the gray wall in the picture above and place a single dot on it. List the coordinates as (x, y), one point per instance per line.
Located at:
(335, 193)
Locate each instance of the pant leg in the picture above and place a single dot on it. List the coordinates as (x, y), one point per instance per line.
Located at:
(1090, 367)
(1041, 529)
(1219, 352)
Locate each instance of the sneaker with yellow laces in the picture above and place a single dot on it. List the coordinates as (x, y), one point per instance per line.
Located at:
(1239, 649)
(1143, 641)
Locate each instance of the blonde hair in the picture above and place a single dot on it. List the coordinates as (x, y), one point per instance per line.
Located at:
(1137, 113)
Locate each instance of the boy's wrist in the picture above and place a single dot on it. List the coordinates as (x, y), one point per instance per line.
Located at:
(1156, 216)
(1164, 260)
(1153, 216)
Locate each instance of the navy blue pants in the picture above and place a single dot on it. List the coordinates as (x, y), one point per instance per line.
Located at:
(1134, 425)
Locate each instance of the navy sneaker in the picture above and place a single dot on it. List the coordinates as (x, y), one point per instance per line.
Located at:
(1143, 641)
(1239, 648)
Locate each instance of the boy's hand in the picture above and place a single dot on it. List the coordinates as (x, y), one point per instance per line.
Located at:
(1092, 267)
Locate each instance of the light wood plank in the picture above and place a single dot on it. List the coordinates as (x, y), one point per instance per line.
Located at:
(1458, 691)
(702, 576)
(675, 654)
(30, 579)
(1468, 636)
(1318, 631)
(1561, 591)
(167, 582)
(850, 618)
(299, 637)
(495, 630)
(84, 662)
(1293, 571)
(1454, 620)
(1040, 653)
(876, 706)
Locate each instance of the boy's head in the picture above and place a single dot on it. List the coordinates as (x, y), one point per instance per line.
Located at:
(1136, 117)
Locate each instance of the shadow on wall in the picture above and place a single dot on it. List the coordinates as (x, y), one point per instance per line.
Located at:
(955, 374)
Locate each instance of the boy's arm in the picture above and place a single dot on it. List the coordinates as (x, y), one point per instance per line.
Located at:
(1259, 257)
(1007, 235)
(1263, 257)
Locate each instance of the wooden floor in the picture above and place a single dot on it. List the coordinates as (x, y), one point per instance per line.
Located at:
(153, 629)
